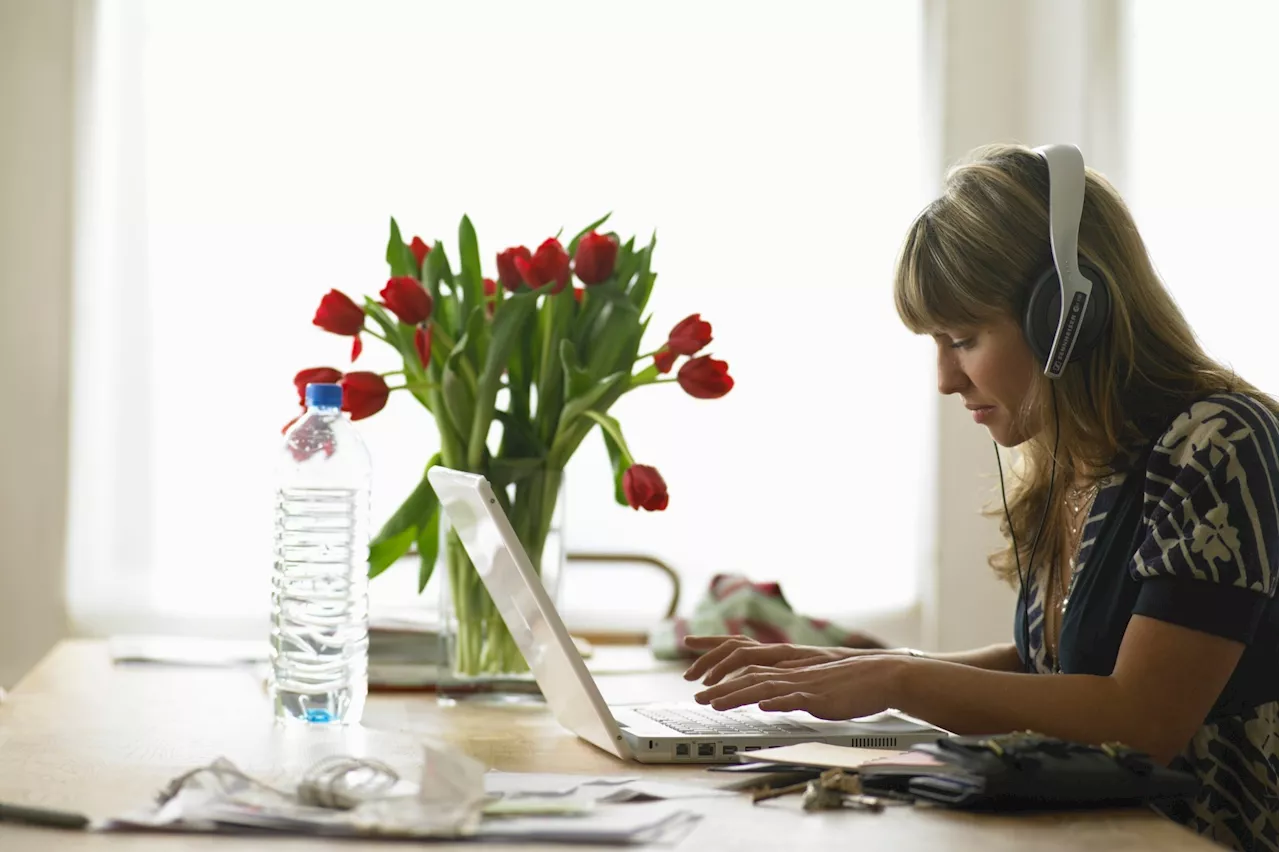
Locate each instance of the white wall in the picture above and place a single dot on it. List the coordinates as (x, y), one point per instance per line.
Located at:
(36, 39)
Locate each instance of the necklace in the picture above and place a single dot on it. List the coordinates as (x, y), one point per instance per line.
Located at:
(1079, 503)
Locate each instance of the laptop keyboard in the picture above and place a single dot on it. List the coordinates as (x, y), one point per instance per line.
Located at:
(697, 722)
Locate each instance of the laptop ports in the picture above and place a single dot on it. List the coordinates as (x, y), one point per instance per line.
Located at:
(706, 749)
(682, 749)
(728, 749)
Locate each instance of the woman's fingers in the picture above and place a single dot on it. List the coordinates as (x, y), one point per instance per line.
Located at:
(711, 641)
(745, 681)
(721, 646)
(744, 656)
(784, 703)
(744, 695)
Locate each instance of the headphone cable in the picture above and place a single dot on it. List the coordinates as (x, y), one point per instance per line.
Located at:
(1035, 542)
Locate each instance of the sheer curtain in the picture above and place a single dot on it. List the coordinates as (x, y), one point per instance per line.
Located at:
(241, 158)
(1203, 126)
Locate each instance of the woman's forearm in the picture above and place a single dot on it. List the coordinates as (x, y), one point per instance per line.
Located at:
(998, 658)
(972, 700)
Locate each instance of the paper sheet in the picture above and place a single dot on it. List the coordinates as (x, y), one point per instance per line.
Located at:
(450, 802)
(517, 786)
(823, 755)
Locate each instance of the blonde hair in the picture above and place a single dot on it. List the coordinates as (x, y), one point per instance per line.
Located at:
(969, 258)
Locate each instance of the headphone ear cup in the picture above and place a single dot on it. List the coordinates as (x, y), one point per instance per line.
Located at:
(1040, 318)
(1044, 306)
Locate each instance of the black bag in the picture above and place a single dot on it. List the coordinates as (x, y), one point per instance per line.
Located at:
(1024, 771)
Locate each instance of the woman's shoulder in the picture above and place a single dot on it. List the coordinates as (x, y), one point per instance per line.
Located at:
(1210, 495)
(1221, 420)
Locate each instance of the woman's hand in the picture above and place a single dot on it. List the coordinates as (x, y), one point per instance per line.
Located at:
(730, 653)
(843, 689)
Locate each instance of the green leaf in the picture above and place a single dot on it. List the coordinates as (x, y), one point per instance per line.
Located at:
(648, 374)
(579, 404)
(384, 553)
(644, 278)
(438, 277)
(577, 380)
(630, 355)
(389, 326)
(508, 323)
(570, 434)
(520, 377)
(459, 395)
(505, 471)
(555, 321)
(428, 548)
(573, 244)
(619, 454)
(399, 257)
(477, 335)
(393, 540)
(627, 263)
(615, 335)
(518, 437)
(471, 283)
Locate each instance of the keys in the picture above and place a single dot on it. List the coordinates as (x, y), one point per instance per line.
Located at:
(832, 790)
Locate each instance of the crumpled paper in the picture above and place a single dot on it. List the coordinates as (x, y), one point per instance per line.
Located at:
(447, 801)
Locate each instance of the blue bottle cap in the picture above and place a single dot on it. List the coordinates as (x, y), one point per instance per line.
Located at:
(324, 396)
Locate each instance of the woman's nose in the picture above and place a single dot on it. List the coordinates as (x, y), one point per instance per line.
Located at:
(951, 379)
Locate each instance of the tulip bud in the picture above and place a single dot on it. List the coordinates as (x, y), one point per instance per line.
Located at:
(644, 488)
(594, 259)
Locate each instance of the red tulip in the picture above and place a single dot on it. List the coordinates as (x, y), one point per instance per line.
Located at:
(364, 394)
(550, 263)
(422, 342)
(508, 274)
(420, 250)
(314, 376)
(705, 378)
(578, 293)
(407, 299)
(490, 295)
(690, 335)
(644, 488)
(594, 259)
(339, 315)
(664, 359)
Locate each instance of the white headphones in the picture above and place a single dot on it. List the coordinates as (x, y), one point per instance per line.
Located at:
(1059, 336)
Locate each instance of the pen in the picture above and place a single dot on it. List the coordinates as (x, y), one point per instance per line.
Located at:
(42, 816)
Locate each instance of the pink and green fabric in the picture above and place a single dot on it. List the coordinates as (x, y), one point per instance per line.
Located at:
(735, 605)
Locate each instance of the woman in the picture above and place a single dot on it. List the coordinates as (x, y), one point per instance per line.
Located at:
(1141, 522)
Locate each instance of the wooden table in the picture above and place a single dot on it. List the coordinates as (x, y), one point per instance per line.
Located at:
(81, 734)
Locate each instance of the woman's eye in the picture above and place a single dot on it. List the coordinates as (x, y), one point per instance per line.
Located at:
(967, 343)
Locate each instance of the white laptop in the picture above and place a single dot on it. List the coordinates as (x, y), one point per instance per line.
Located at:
(649, 733)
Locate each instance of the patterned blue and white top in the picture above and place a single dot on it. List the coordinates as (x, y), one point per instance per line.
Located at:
(1199, 549)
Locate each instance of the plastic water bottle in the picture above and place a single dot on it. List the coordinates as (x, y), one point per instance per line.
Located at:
(320, 584)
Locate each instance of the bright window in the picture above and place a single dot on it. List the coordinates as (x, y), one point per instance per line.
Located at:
(263, 146)
(1203, 131)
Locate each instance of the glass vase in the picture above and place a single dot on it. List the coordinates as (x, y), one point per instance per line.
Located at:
(481, 660)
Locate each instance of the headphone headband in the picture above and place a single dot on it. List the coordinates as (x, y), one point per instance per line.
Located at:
(1066, 205)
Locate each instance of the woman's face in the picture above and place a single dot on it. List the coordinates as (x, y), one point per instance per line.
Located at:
(991, 367)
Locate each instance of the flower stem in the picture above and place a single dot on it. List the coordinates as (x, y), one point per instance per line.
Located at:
(638, 382)
(372, 333)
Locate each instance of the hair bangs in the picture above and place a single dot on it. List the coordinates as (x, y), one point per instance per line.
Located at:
(932, 287)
